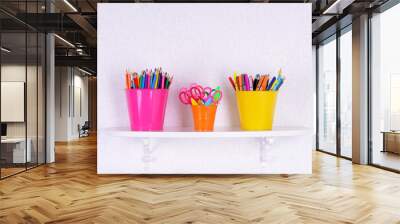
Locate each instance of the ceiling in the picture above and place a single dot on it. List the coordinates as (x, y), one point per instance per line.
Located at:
(75, 21)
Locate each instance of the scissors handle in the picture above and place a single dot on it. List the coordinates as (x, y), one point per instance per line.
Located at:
(217, 96)
(184, 97)
(207, 90)
(196, 92)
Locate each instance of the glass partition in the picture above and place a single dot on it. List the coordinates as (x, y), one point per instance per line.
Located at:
(334, 61)
(22, 63)
(327, 96)
(13, 109)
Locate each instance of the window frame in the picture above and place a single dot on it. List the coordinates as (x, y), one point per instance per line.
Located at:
(334, 37)
(378, 10)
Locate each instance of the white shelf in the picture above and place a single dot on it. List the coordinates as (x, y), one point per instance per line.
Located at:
(179, 132)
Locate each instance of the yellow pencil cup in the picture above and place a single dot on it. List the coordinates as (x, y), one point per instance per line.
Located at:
(256, 109)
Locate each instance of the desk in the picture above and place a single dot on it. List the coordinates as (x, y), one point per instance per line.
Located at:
(17, 150)
(391, 141)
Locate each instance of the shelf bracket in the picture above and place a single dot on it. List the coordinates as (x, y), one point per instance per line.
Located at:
(265, 145)
(148, 157)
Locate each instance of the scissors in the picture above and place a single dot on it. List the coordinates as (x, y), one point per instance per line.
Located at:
(197, 92)
(184, 96)
(215, 96)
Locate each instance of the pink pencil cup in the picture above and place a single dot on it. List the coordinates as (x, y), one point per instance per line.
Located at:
(146, 108)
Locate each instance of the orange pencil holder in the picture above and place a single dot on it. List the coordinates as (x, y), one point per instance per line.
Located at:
(203, 117)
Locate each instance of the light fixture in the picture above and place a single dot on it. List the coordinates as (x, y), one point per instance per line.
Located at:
(5, 50)
(79, 51)
(70, 5)
(64, 40)
(337, 7)
(84, 71)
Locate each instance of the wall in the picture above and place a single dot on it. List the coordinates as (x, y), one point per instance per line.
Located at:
(15, 72)
(204, 43)
(10, 73)
(33, 127)
(80, 112)
(62, 81)
(186, 48)
(71, 102)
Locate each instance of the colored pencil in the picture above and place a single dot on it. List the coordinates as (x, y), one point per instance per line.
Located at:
(267, 81)
(240, 82)
(162, 81)
(260, 82)
(271, 83)
(251, 82)
(127, 80)
(148, 79)
(264, 82)
(279, 85)
(232, 83)
(246, 82)
(256, 80)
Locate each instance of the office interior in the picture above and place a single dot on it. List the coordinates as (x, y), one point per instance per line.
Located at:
(49, 81)
(25, 65)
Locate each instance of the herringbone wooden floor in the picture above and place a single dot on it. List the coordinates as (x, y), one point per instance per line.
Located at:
(70, 191)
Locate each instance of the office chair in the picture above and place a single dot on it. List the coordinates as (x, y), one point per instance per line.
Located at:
(84, 130)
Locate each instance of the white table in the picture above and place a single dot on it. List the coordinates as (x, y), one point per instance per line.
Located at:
(19, 155)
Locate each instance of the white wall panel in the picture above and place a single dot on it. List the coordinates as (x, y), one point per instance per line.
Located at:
(204, 43)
